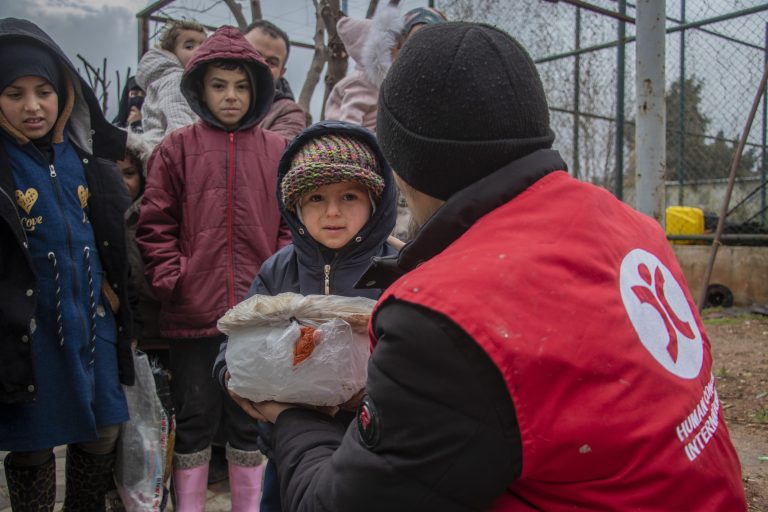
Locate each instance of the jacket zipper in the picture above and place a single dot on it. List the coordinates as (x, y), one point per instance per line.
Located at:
(75, 287)
(327, 270)
(231, 216)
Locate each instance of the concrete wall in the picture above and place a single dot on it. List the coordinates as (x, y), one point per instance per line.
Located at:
(744, 270)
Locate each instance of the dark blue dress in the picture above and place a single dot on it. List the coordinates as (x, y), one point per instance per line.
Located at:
(74, 340)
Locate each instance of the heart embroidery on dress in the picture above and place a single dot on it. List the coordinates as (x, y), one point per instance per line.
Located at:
(26, 199)
(82, 193)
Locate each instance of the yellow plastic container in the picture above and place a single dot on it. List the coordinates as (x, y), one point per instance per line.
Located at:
(684, 220)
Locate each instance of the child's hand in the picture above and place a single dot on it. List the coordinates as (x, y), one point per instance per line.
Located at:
(133, 115)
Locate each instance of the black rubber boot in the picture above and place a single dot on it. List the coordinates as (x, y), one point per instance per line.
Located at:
(31, 488)
(88, 478)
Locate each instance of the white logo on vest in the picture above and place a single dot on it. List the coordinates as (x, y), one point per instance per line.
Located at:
(661, 315)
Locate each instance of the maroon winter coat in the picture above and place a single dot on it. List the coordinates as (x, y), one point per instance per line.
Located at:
(209, 217)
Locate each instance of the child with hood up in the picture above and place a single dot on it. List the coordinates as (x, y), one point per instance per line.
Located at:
(370, 43)
(129, 113)
(65, 321)
(373, 44)
(209, 219)
(337, 194)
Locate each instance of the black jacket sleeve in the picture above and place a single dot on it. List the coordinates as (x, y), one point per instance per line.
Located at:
(448, 437)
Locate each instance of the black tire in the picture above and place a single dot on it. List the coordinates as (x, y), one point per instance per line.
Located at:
(718, 295)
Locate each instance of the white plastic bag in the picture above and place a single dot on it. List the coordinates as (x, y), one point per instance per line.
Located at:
(143, 445)
(263, 331)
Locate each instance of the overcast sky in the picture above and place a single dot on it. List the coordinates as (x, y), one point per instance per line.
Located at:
(97, 29)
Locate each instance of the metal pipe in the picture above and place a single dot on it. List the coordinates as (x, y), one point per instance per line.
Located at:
(765, 137)
(686, 26)
(681, 115)
(731, 179)
(651, 116)
(576, 95)
(620, 71)
(712, 32)
(732, 237)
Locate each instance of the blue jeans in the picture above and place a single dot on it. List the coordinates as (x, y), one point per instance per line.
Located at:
(270, 489)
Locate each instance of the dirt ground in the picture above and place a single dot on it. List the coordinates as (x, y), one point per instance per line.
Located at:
(739, 340)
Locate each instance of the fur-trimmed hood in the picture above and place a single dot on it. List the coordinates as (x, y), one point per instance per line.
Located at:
(370, 42)
(384, 35)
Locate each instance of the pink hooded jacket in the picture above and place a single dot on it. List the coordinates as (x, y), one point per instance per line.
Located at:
(369, 43)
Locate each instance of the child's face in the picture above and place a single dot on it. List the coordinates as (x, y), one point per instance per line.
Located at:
(186, 44)
(227, 94)
(131, 176)
(334, 214)
(31, 105)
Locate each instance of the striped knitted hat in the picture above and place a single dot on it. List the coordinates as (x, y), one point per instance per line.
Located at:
(330, 159)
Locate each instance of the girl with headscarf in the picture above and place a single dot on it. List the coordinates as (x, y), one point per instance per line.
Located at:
(65, 321)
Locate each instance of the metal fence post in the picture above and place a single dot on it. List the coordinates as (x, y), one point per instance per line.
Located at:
(681, 114)
(576, 95)
(765, 136)
(651, 115)
(621, 52)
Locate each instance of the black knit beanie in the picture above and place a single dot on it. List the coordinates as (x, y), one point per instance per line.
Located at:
(460, 101)
(27, 58)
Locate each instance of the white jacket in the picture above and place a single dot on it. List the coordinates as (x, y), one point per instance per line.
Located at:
(165, 108)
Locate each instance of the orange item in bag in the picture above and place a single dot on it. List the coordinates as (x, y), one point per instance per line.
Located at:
(306, 344)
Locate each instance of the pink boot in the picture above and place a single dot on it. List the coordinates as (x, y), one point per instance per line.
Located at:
(245, 487)
(191, 486)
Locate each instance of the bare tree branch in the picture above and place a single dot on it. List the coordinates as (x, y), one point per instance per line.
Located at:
(316, 66)
(336, 55)
(97, 79)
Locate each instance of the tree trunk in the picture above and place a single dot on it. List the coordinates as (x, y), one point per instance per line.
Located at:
(372, 5)
(237, 12)
(336, 54)
(256, 10)
(316, 67)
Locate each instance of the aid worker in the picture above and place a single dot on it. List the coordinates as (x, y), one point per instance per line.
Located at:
(542, 350)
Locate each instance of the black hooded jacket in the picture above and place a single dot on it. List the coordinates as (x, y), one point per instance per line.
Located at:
(126, 102)
(98, 144)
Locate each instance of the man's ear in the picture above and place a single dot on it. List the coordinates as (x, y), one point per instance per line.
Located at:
(282, 73)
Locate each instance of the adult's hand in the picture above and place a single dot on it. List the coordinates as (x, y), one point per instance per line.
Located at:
(269, 411)
(352, 403)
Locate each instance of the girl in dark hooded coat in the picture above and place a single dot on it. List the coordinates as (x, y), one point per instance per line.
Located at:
(65, 321)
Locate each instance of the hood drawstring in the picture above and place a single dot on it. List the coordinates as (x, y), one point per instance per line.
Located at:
(91, 296)
(92, 304)
(59, 320)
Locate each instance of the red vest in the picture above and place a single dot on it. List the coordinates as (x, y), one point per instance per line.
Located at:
(579, 301)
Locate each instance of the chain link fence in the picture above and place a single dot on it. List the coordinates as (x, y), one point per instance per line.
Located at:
(715, 54)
